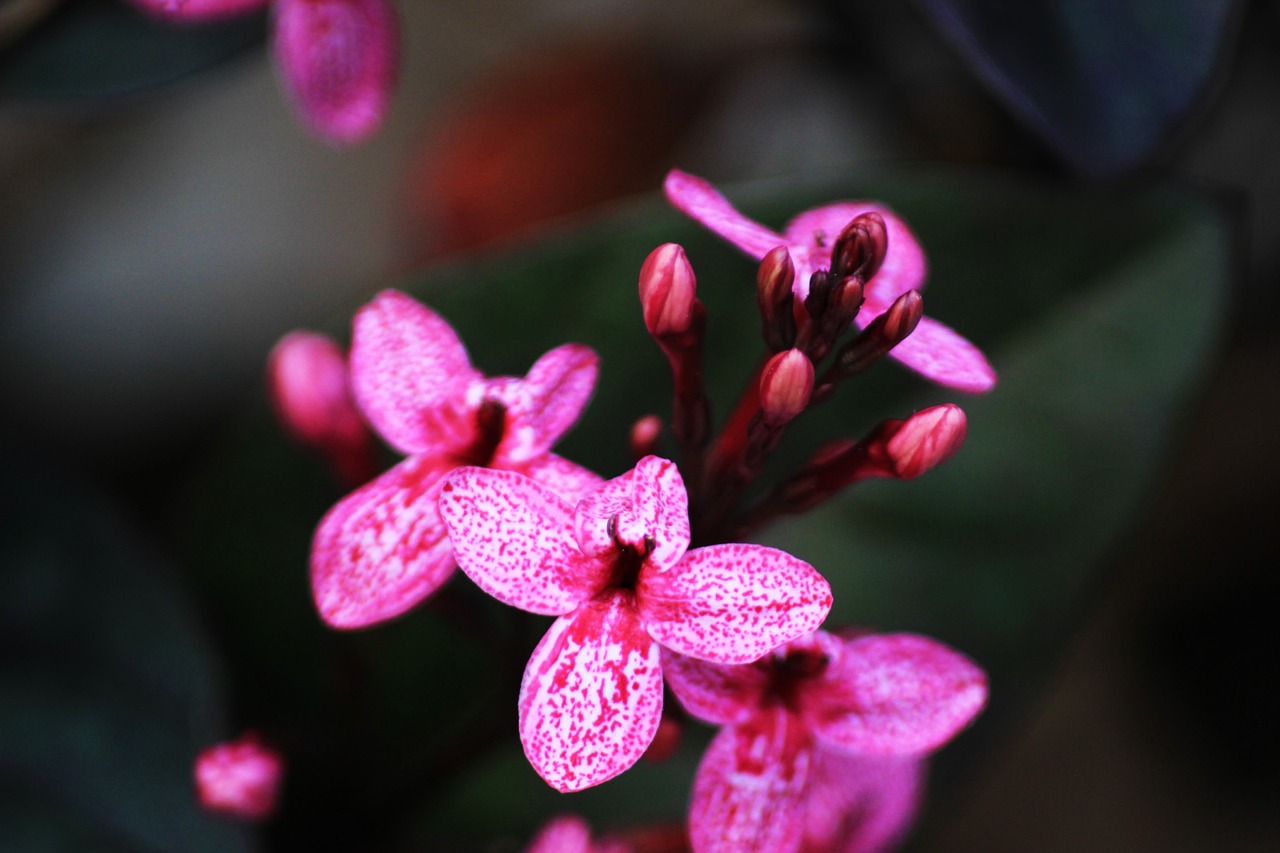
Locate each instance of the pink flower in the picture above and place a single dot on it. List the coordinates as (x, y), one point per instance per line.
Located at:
(933, 350)
(877, 698)
(571, 834)
(240, 778)
(616, 572)
(855, 804)
(384, 548)
(339, 58)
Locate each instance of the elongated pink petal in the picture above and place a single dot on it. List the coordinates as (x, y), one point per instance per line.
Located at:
(747, 794)
(704, 204)
(940, 354)
(562, 834)
(511, 535)
(732, 603)
(811, 235)
(856, 804)
(646, 508)
(567, 479)
(198, 10)
(546, 403)
(716, 693)
(383, 548)
(410, 374)
(895, 695)
(591, 698)
(339, 60)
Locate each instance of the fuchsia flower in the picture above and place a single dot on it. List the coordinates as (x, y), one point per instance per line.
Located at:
(616, 572)
(339, 58)
(792, 719)
(239, 778)
(933, 350)
(384, 548)
(571, 834)
(856, 804)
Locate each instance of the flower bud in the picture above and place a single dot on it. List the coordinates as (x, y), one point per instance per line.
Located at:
(861, 247)
(774, 281)
(901, 319)
(667, 291)
(926, 440)
(240, 778)
(785, 386)
(644, 436)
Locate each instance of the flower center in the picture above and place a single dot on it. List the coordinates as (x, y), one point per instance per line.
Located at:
(491, 424)
(628, 559)
(788, 672)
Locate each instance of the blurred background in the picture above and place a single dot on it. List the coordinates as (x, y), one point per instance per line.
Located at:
(165, 219)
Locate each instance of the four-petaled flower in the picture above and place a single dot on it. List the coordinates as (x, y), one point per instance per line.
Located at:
(896, 696)
(933, 350)
(616, 572)
(384, 548)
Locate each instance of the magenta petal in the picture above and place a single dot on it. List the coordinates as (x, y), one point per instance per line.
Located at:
(591, 698)
(732, 603)
(646, 508)
(810, 236)
(704, 204)
(747, 794)
(339, 59)
(938, 353)
(198, 10)
(383, 548)
(511, 535)
(546, 403)
(716, 693)
(563, 834)
(410, 374)
(895, 694)
(567, 479)
(856, 804)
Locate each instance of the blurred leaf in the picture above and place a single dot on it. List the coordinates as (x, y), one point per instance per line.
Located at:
(1103, 82)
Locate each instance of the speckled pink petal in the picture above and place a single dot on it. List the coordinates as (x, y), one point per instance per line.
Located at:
(562, 834)
(339, 60)
(704, 204)
(410, 375)
(811, 235)
(894, 695)
(941, 355)
(567, 479)
(747, 793)
(855, 804)
(198, 10)
(383, 548)
(546, 403)
(511, 535)
(647, 508)
(591, 698)
(716, 693)
(732, 603)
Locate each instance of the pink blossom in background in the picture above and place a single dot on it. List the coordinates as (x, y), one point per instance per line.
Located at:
(571, 834)
(384, 548)
(239, 778)
(932, 350)
(791, 718)
(616, 572)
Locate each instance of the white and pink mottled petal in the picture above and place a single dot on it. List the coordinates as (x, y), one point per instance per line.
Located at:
(646, 508)
(194, 11)
(567, 479)
(894, 695)
(856, 804)
(704, 204)
(562, 834)
(383, 548)
(410, 374)
(812, 234)
(593, 517)
(717, 693)
(513, 537)
(591, 698)
(732, 603)
(749, 786)
(547, 402)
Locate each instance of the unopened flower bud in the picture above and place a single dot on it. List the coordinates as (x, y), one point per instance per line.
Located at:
(901, 319)
(785, 386)
(666, 740)
(774, 281)
(667, 291)
(239, 779)
(644, 436)
(861, 247)
(926, 440)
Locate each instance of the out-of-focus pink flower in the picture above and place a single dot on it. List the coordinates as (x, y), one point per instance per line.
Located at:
(240, 778)
(384, 548)
(616, 572)
(879, 698)
(571, 834)
(933, 350)
(339, 58)
(856, 804)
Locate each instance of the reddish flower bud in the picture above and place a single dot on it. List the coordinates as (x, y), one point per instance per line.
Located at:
(774, 281)
(239, 779)
(785, 386)
(926, 440)
(644, 436)
(861, 247)
(665, 741)
(901, 319)
(667, 291)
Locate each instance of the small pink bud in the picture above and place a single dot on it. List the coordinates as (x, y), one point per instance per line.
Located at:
(198, 10)
(785, 386)
(901, 319)
(774, 282)
(667, 291)
(665, 741)
(644, 436)
(926, 440)
(239, 779)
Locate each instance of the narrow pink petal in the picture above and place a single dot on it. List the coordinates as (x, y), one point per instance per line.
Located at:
(383, 548)
(567, 479)
(546, 403)
(562, 834)
(716, 693)
(410, 374)
(591, 698)
(646, 508)
(747, 794)
(339, 59)
(895, 695)
(810, 236)
(704, 204)
(938, 353)
(732, 603)
(856, 804)
(198, 10)
(512, 536)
